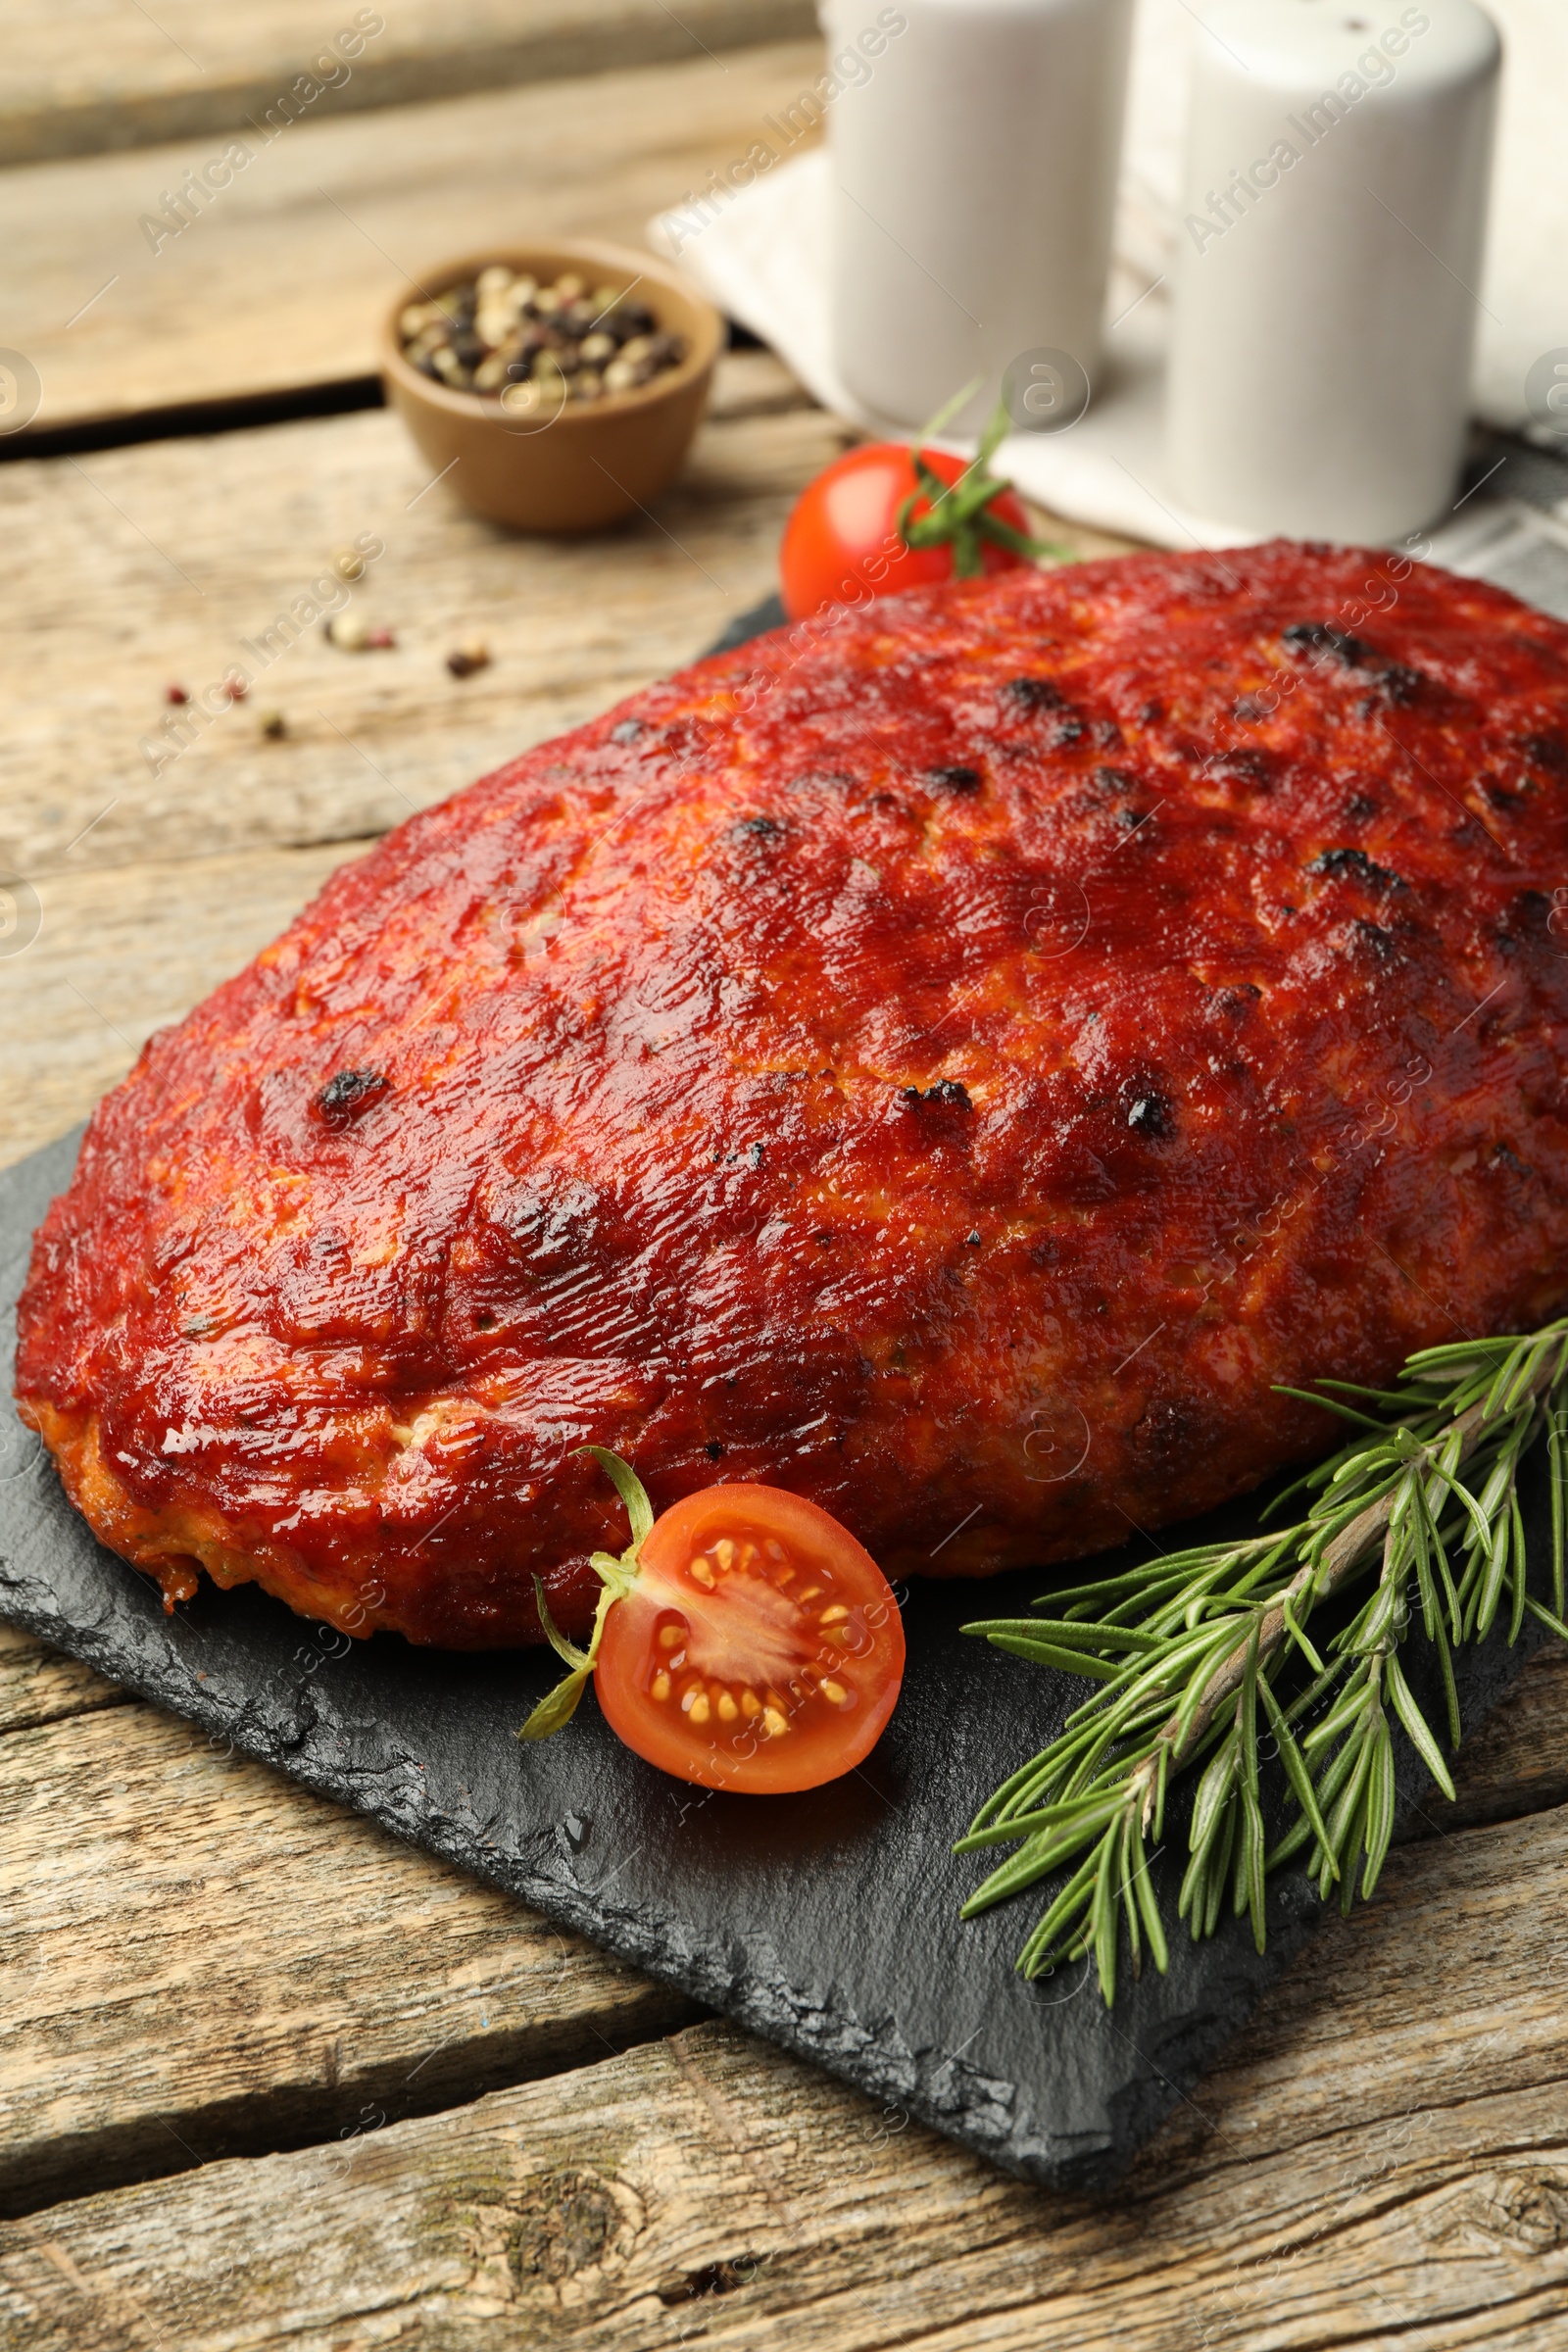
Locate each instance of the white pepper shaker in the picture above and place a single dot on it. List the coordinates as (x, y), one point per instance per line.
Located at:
(973, 147)
(1339, 156)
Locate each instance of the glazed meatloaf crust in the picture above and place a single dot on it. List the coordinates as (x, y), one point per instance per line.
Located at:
(953, 1064)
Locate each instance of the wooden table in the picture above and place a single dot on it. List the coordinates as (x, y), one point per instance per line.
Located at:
(269, 2078)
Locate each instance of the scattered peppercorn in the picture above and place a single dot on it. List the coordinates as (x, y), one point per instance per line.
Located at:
(274, 725)
(352, 633)
(236, 687)
(349, 564)
(534, 347)
(471, 654)
(175, 693)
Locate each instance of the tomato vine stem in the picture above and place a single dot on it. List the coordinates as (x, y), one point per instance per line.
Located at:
(960, 513)
(616, 1576)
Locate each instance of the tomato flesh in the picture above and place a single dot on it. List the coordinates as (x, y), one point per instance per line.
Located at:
(761, 1648)
(842, 545)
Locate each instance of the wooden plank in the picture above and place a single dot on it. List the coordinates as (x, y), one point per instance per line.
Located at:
(37, 1686)
(125, 78)
(1517, 1762)
(212, 1958)
(280, 281)
(133, 568)
(1350, 2177)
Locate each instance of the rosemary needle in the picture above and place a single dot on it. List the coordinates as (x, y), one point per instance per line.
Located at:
(1202, 1655)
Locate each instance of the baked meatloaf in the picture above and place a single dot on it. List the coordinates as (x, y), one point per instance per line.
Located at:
(954, 1064)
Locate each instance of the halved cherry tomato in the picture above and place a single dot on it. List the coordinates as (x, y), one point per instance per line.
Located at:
(744, 1640)
(760, 1649)
(843, 542)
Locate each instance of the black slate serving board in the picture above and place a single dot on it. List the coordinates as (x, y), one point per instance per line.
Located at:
(827, 1922)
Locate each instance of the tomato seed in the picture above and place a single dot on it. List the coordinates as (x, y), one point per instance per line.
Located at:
(701, 1572)
(774, 1723)
(835, 1615)
(726, 1552)
(699, 1709)
(835, 1694)
(668, 1636)
(727, 1709)
(660, 1686)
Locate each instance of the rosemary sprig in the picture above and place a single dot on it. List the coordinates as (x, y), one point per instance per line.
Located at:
(1202, 1653)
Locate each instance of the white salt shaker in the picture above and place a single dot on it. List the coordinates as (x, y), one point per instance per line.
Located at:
(1326, 293)
(973, 147)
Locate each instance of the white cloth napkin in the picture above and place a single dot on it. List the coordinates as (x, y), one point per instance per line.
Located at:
(762, 258)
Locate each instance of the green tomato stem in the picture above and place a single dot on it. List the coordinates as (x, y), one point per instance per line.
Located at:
(616, 1577)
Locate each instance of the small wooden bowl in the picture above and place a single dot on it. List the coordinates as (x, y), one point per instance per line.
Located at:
(594, 461)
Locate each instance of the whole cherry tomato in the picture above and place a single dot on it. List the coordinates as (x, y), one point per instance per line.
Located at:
(884, 517)
(745, 1641)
